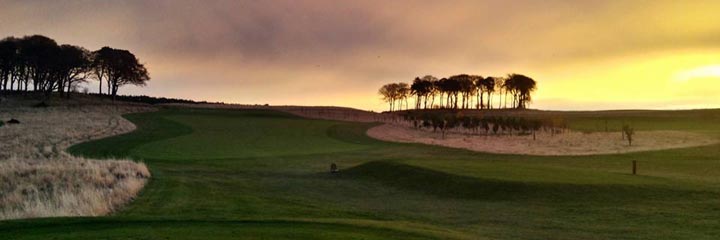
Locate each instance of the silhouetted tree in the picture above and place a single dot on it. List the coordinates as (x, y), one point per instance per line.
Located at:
(403, 93)
(458, 91)
(479, 92)
(42, 59)
(101, 66)
(466, 88)
(417, 89)
(452, 87)
(74, 64)
(121, 67)
(499, 83)
(522, 88)
(51, 67)
(441, 89)
(423, 89)
(9, 60)
(389, 93)
(488, 85)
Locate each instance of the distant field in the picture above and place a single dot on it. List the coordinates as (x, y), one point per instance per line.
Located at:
(259, 174)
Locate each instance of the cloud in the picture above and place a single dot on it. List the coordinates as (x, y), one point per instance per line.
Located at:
(279, 48)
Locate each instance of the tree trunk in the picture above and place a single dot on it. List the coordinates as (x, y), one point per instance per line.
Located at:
(441, 100)
(114, 91)
(456, 100)
(448, 103)
(425, 101)
(482, 95)
(489, 105)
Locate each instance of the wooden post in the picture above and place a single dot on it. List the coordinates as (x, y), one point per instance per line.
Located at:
(634, 167)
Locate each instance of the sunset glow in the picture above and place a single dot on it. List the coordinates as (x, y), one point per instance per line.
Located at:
(584, 54)
(712, 71)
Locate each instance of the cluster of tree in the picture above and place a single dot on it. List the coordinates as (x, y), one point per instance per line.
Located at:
(461, 91)
(38, 63)
(497, 125)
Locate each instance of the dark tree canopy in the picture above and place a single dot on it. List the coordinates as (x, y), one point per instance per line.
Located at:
(461, 90)
(120, 67)
(38, 63)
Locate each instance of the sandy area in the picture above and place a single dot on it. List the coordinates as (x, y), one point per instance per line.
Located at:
(567, 143)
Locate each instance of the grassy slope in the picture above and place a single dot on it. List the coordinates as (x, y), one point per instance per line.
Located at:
(262, 175)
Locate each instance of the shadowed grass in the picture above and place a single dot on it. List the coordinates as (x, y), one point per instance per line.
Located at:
(455, 186)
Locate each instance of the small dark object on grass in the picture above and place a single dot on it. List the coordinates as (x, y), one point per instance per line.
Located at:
(333, 168)
(13, 121)
(42, 104)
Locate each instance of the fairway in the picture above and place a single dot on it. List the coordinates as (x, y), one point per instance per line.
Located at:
(260, 174)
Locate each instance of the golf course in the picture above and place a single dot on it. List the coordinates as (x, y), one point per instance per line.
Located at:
(263, 174)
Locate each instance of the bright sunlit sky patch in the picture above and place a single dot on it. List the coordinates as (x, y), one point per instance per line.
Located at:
(584, 54)
(710, 71)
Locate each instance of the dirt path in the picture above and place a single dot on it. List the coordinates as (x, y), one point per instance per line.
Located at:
(568, 143)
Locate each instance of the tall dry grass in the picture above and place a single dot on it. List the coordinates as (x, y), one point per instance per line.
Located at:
(38, 179)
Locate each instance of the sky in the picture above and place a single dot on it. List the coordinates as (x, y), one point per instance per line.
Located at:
(584, 54)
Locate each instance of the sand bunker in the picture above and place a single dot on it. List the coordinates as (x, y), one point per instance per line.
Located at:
(567, 143)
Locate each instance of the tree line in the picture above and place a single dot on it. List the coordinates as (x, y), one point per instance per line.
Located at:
(38, 63)
(461, 91)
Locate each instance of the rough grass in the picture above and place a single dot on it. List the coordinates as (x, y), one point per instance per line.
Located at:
(38, 179)
(67, 186)
(238, 186)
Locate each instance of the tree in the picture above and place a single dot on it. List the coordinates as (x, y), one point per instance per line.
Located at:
(423, 89)
(51, 67)
(477, 81)
(120, 67)
(73, 66)
(488, 85)
(509, 87)
(9, 59)
(452, 88)
(403, 92)
(100, 66)
(417, 89)
(522, 88)
(441, 88)
(428, 82)
(42, 58)
(389, 94)
(466, 88)
(499, 83)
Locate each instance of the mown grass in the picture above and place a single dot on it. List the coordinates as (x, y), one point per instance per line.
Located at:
(686, 120)
(255, 174)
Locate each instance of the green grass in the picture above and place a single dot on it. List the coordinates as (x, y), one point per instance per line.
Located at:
(254, 174)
